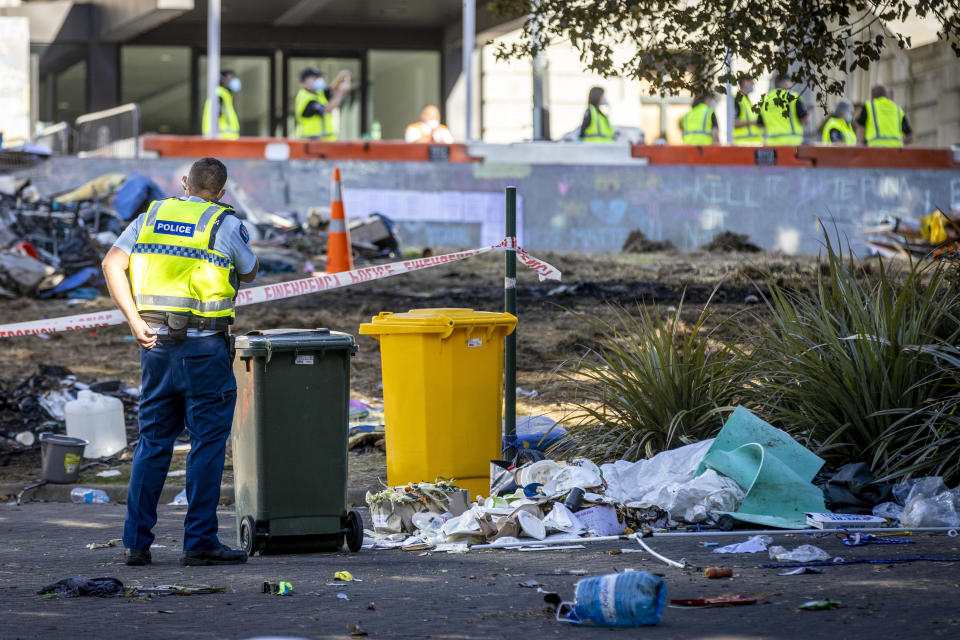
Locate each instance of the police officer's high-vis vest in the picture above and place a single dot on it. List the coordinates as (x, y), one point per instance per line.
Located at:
(599, 129)
(839, 124)
(884, 126)
(780, 129)
(228, 125)
(752, 134)
(697, 125)
(315, 126)
(174, 267)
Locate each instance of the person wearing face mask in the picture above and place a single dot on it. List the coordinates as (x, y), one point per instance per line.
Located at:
(596, 126)
(699, 125)
(837, 130)
(746, 126)
(228, 125)
(314, 104)
(429, 128)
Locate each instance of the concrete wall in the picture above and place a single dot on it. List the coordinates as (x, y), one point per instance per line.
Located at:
(572, 208)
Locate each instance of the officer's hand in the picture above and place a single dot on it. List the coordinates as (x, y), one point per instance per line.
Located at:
(143, 334)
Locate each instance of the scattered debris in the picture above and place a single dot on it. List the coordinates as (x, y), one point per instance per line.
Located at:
(630, 599)
(718, 572)
(719, 601)
(277, 588)
(799, 571)
(819, 605)
(103, 545)
(78, 586)
(753, 544)
(803, 553)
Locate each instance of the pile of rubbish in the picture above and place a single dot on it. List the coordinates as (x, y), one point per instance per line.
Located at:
(52, 246)
(750, 473)
(36, 404)
(935, 235)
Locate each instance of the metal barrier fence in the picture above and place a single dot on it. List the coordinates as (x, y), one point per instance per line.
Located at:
(58, 138)
(110, 133)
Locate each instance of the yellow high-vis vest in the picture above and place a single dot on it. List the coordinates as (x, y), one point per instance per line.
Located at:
(779, 129)
(599, 129)
(315, 126)
(174, 267)
(752, 134)
(838, 124)
(884, 126)
(697, 125)
(228, 125)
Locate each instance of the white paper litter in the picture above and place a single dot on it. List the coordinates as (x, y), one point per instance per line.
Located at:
(754, 544)
(562, 519)
(666, 480)
(578, 473)
(803, 553)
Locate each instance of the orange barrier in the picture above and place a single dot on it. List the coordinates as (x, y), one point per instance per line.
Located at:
(802, 156)
(339, 252)
(168, 146)
(906, 158)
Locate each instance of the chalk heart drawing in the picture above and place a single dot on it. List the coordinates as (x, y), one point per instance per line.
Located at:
(563, 187)
(610, 212)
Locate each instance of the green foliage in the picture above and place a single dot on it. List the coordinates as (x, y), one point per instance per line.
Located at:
(649, 385)
(839, 366)
(683, 46)
(862, 366)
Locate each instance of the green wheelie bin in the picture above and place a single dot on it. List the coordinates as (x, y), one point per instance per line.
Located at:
(290, 441)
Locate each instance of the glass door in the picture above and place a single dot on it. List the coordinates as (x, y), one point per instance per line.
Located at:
(252, 102)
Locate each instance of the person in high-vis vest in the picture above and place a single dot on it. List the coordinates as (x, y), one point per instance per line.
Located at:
(428, 129)
(699, 125)
(596, 125)
(783, 123)
(882, 123)
(837, 129)
(747, 130)
(315, 103)
(228, 124)
(185, 258)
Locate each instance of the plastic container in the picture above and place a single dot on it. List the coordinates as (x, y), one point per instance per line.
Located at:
(98, 419)
(442, 393)
(81, 494)
(290, 441)
(60, 457)
(632, 599)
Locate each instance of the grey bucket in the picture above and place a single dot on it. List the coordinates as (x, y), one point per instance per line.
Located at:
(60, 457)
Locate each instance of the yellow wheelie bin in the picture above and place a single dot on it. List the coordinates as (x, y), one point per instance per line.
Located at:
(442, 393)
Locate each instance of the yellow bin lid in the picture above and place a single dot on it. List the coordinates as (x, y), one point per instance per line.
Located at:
(442, 321)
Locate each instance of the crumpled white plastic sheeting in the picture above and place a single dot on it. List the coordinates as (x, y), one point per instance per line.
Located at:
(666, 480)
(931, 504)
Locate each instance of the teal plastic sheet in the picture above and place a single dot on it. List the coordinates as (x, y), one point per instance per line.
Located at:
(773, 468)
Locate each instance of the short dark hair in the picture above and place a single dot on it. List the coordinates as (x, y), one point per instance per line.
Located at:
(878, 91)
(207, 176)
(310, 72)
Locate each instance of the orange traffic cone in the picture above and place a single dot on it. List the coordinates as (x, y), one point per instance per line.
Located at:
(339, 254)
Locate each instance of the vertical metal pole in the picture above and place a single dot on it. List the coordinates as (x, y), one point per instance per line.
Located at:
(537, 68)
(510, 344)
(469, 39)
(730, 106)
(213, 66)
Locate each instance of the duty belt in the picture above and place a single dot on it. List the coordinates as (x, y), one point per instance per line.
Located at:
(178, 323)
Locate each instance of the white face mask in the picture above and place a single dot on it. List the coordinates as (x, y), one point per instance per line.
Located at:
(433, 124)
(234, 85)
(319, 84)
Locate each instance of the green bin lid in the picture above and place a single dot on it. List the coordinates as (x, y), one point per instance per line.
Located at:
(269, 341)
(442, 321)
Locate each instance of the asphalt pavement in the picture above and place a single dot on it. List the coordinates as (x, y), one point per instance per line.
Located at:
(476, 595)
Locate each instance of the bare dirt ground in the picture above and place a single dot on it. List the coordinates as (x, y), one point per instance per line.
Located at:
(549, 331)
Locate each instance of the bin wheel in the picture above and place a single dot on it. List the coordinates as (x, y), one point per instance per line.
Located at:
(354, 531)
(726, 523)
(248, 535)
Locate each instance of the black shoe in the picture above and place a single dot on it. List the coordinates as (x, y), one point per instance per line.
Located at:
(136, 557)
(217, 555)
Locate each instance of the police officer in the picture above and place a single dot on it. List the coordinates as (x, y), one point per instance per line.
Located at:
(228, 125)
(699, 125)
(783, 123)
(837, 129)
(596, 125)
(185, 257)
(746, 126)
(313, 107)
(882, 122)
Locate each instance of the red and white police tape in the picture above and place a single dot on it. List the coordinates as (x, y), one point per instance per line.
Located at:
(291, 289)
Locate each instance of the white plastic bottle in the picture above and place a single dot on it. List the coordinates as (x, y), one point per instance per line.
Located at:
(98, 419)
